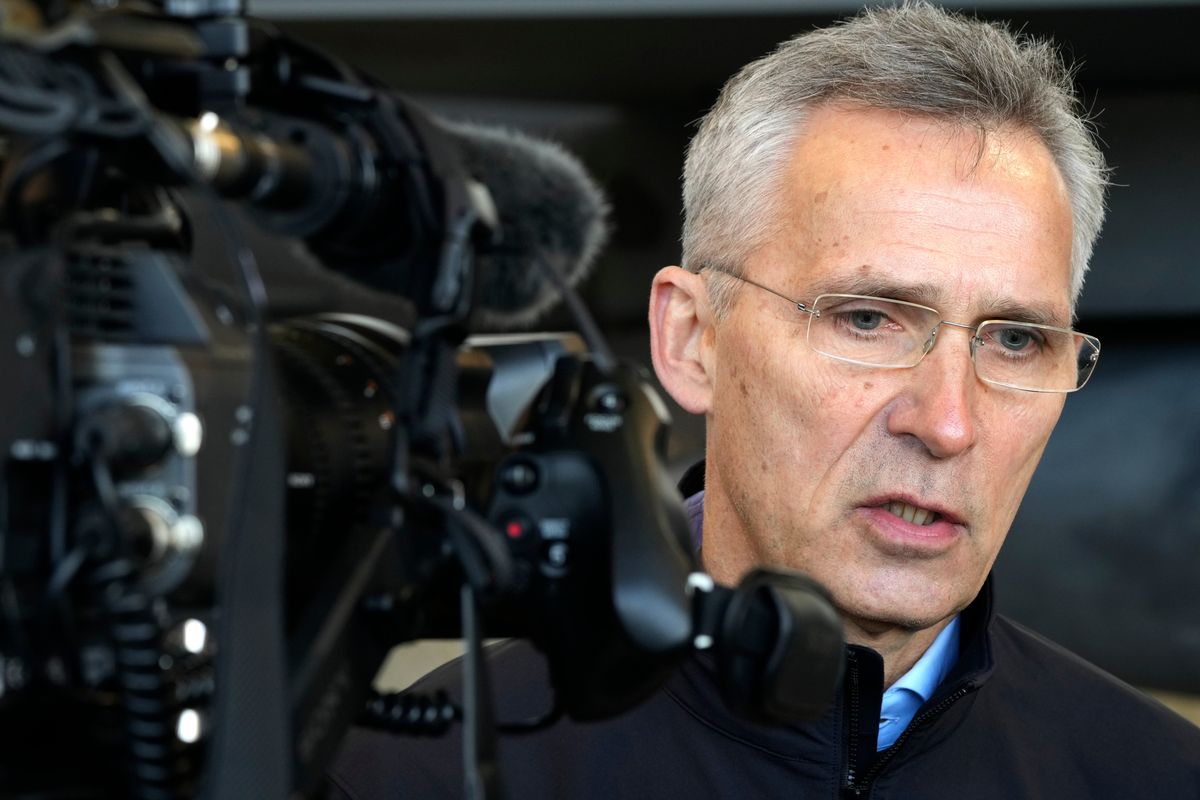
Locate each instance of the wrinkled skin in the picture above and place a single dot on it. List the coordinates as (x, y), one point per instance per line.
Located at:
(804, 450)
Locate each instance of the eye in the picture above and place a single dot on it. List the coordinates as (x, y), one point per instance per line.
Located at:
(1015, 339)
(865, 319)
(873, 320)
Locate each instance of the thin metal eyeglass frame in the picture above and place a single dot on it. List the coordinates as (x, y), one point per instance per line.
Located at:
(976, 340)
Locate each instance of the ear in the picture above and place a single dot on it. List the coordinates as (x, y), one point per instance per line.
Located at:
(680, 319)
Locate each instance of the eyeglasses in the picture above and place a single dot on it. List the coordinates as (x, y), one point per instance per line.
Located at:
(895, 334)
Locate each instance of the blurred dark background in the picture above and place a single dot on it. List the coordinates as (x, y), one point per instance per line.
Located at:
(1105, 555)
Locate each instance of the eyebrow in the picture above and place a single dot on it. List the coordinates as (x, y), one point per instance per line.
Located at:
(879, 285)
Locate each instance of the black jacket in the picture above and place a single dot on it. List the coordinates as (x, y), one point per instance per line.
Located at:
(1019, 717)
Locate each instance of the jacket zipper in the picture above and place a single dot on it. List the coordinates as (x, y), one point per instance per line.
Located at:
(852, 744)
(886, 756)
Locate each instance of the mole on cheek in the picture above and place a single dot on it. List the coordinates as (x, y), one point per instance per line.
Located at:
(868, 386)
(742, 386)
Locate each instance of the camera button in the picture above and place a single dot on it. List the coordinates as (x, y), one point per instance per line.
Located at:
(517, 527)
(519, 477)
(556, 559)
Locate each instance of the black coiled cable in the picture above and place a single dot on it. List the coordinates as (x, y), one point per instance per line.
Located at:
(415, 713)
(411, 713)
(136, 635)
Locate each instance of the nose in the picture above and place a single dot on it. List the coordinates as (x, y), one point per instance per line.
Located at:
(938, 404)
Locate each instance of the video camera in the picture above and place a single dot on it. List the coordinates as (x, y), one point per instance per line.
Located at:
(250, 444)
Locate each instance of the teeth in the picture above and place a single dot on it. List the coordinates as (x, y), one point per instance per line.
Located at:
(917, 516)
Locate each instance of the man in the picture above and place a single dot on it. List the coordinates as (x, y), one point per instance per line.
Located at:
(887, 228)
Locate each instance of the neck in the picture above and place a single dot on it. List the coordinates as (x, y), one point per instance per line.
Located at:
(901, 648)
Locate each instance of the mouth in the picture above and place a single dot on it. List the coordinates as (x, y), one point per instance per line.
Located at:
(906, 525)
(910, 513)
(915, 511)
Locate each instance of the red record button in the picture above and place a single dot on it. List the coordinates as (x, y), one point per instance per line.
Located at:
(517, 528)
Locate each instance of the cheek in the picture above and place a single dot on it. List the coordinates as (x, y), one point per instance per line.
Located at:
(785, 406)
(843, 395)
(1016, 444)
(1026, 428)
(759, 403)
(764, 378)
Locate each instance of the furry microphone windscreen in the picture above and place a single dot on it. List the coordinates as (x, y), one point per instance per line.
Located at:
(552, 216)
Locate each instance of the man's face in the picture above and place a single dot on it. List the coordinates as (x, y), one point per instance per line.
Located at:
(808, 457)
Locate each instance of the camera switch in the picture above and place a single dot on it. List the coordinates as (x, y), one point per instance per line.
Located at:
(519, 477)
(607, 399)
(556, 558)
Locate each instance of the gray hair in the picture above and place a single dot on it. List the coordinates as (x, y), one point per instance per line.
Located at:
(914, 58)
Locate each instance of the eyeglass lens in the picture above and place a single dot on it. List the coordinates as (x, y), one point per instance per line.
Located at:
(890, 333)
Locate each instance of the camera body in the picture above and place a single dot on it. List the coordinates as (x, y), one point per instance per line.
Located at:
(243, 463)
(249, 445)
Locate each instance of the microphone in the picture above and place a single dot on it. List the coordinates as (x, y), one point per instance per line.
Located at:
(553, 218)
(357, 188)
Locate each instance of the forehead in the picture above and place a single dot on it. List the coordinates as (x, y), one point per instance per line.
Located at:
(974, 224)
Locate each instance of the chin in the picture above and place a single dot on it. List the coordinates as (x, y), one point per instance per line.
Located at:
(897, 619)
(881, 612)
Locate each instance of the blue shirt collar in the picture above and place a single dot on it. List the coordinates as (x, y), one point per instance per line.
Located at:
(904, 698)
(933, 667)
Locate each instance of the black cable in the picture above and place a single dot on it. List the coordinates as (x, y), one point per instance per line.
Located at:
(33, 99)
(135, 636)
(602, 355)
(10, 604)
(35, 112)
(33, 161)
(482, 552)
(44, 98)
(103, 482)
(431, 714)
(411, 713)
(481, 765)
(65, 571)
(63, 388)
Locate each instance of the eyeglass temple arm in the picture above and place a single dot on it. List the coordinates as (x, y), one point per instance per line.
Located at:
(799, 306)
